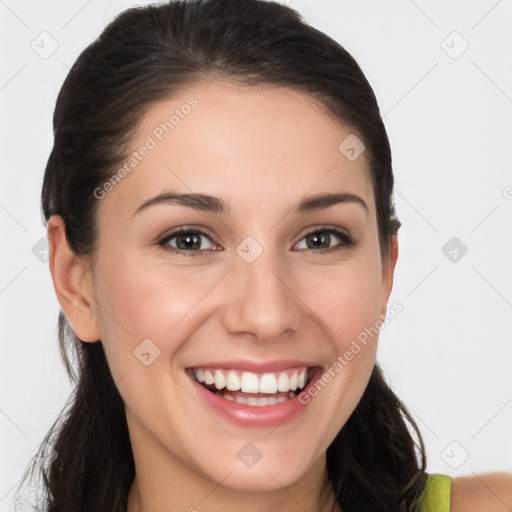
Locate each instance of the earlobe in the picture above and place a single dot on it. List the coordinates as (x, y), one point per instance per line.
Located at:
(72, 281)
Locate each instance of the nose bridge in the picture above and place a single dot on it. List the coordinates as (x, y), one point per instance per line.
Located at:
(261, 301)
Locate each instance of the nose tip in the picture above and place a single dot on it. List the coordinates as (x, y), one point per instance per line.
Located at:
(261, 302)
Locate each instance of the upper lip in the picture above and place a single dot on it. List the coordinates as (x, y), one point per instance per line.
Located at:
(251, 365)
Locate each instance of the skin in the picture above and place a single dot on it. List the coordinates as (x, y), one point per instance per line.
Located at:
(261, 149)
(490, 492)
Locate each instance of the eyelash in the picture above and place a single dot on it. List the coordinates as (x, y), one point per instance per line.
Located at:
(346, 240)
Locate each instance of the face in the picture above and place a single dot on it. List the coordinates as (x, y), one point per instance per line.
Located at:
(267, 293)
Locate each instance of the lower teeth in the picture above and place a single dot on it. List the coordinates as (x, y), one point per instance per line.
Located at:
(259, 402)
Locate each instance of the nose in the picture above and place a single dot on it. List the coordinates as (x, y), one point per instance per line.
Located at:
(261, 300)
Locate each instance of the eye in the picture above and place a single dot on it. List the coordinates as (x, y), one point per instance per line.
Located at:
(321, 239)
(188, 241)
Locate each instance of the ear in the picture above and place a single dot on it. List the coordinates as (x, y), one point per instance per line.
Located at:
(72, 281)
(388, 270)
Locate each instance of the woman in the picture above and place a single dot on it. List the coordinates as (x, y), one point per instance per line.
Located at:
(222, 243)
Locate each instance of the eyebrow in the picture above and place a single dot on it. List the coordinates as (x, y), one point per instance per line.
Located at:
(204, 202)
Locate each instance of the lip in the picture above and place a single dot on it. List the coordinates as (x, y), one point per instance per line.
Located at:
(251, 365)
(250, 416)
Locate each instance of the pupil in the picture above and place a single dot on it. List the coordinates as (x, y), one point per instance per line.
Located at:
(191, 241)
(318, 237)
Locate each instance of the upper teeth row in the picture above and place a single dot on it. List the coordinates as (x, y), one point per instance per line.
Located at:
(249, 382)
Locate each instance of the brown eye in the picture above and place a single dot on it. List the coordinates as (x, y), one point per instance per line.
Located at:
(186, 240)
(321, 239)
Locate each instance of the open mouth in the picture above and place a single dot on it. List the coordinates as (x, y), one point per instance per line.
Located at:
(254, 389)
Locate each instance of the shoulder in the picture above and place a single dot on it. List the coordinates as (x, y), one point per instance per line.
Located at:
(491, 492)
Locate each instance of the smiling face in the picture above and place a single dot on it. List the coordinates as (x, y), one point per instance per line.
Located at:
(269, 284)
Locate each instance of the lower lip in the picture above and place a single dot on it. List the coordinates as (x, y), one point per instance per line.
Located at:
(253, 416)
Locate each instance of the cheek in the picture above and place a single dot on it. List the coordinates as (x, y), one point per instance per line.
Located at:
(139, 303)
(347, 301)
(348, 305)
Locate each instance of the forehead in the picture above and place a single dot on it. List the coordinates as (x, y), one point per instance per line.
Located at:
(253, 145)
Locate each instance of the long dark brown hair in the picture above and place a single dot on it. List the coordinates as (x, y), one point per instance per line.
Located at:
(147, 54)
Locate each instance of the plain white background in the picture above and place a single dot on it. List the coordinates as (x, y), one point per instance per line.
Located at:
(442, 73)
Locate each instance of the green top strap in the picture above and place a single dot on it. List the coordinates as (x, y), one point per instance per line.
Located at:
(436, 495)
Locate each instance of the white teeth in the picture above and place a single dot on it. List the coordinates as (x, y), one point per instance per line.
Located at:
(249, 382)
(220, 380)
(283, 382)
(302, 379)
(208, 377)
(293, 381)
(268, 383)
(233, 381)
(259, 402)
